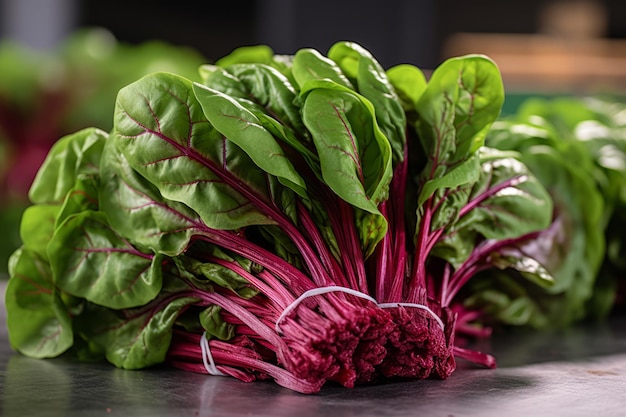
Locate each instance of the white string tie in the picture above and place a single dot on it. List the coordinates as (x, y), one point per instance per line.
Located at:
(335, 288)
(318, 291)
(207, 358)
(414, 305)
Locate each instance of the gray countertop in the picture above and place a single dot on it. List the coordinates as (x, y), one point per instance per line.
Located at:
(579, 372)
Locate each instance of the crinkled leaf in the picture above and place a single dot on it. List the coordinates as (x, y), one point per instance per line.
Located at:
(162, 131)
(507, 201)
(272, 91)
(243, 128)
(206, 275)
(529, 267)
(465, 173)
(38, 323)
(83, 196)
(78, 153)
(134, 338)
(135, 208)
(92, 261)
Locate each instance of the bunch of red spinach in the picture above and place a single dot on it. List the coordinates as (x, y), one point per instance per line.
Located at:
(304, 218)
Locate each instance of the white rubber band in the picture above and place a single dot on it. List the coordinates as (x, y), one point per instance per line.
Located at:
(420, 306)
(318, 291)
(335, 288)
(207, 358)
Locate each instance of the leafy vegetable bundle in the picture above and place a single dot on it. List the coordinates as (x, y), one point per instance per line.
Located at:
(576, 147)
(304, 218)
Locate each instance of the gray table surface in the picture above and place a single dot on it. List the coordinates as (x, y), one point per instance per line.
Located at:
(579, 372)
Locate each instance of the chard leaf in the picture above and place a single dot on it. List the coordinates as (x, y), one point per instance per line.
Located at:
(409, 83)
(461, 101)
(272, 91)
(355, 156)
(309, 64)
(78, 153)
(215, 326)
(372, 82)
(507, 201)
(92, 261)
(206, 275)
(256, 53)
(38, 323)
(135, 208)
(529, 267)
(272, 102)
(467, 172)
(37, 228)
(83, 196)
(244, 129)
(162, 131)
(134, 338)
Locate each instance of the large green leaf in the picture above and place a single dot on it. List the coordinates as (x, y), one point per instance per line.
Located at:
(355, 156)
(78, 153)
(409, 82)
(135, 208)
(243, 128)
(309, 64)
(463, 98)
(134, 338)
(162, 131)
(91, 260)
(507, 201)
(38, 323)
(372, 82)
(271, 90)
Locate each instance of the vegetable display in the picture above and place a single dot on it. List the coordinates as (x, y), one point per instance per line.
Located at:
(306, 219)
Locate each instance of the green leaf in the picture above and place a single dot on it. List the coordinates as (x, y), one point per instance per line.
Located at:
(372, 82)
(309, 64)
(465, 173)
(507, 201)
(244, 129)
(78, 153)
(206, 274)
(409, 83)
(135, 208)
(271, 90)
(215, 326)
(92, 261)
(529, 267)
(37, 228)
(39, 326)
(162, 131)
(463, 98)
(246, 54)
(83, 196)
(134, 338)
(355, 157)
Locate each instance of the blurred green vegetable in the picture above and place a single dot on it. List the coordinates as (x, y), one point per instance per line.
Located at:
(46, 95)
(576, 147)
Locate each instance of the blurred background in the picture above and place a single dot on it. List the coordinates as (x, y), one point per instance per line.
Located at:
(63, 61)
